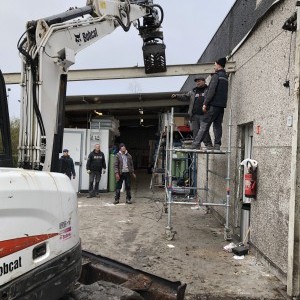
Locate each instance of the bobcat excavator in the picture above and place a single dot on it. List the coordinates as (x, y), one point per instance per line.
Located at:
(40, 249)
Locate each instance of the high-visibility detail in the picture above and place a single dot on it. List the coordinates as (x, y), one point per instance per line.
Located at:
(12, 246)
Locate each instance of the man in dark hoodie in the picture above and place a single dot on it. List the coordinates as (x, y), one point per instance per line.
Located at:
(95, 166)
(196, 100)
(214, 104)
(66, 164)
(123, 171)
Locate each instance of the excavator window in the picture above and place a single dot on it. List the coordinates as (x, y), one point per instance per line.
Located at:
(5, 138)
(1, 143)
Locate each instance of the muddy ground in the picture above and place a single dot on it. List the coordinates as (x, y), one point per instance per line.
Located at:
(135, 235)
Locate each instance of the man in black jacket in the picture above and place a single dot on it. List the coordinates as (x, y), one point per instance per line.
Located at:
(214, 103)
(66, 164)
(95, 166)
(196, 100)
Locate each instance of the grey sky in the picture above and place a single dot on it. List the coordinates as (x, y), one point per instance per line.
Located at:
(188, 27)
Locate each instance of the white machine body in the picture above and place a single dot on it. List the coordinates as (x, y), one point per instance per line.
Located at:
(38, 212)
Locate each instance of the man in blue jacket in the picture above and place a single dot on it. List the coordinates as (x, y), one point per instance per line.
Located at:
(214, 103)
(95, 166)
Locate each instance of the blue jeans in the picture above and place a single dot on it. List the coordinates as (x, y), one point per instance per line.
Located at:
(123, 177)
(94, 176)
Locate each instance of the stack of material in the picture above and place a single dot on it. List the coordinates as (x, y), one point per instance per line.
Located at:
(106, 122)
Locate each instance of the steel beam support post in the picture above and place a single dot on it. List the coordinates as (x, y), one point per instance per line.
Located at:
(293, 274)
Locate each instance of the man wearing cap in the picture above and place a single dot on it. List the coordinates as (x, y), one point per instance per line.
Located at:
(123, 171)
(214, 103)
(66, 164)
(196, 100)
(95, 166)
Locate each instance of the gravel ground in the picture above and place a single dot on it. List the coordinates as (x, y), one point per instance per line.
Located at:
(134, 234)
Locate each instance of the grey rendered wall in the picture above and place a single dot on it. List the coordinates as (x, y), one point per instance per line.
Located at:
(258, 96)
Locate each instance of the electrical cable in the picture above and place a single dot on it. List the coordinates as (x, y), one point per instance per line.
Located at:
(161, 12)
(290, 51)
(152, 26)
(127, 13)
(33, 71)
(259, 50)
(287, 82)
(160, 209)
(34, 76)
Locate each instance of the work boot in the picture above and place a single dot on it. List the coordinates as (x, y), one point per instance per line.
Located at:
(217, 147)
(117, 196)
(208, 147)
(128, 201)
(128, 194)
(194, 146)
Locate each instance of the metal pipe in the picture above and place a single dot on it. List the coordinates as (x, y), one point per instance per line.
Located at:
(167, 153)
(199, 204)
(215, 204)
(185, 203)
(236, 200)
(194, 171)
(171, 124)
(200, 151)
(228, 172)
(167, 168)
(188, 188)
(206, 183)
(293, 272)
(68, 15)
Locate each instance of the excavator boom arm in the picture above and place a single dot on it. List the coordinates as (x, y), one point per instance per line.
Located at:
(47, 52)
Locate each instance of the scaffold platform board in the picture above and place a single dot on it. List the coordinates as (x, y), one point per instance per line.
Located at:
(200, 151)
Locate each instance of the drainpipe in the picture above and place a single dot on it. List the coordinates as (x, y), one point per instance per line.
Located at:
(293, 276)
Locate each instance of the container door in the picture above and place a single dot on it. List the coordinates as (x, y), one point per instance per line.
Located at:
(73, 142)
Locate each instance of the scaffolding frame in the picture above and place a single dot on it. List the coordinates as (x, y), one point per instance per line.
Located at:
(155, 170)
(170, 189)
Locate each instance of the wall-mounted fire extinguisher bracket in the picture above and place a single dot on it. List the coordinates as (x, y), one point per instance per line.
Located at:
(250, 171)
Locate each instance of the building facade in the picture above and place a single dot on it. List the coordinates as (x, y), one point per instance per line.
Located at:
(262, 113)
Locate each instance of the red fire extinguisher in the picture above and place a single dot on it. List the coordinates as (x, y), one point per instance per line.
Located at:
(250, 181)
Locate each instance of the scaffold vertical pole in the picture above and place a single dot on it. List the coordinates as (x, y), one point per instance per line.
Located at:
(227, 233)
(169, 228)
(206, 183)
